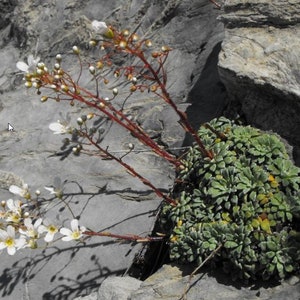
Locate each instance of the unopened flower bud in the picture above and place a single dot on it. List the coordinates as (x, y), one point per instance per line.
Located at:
(92, 130)
(99, 64)
(93, 43)
(79, 121)
(75, 150)
(41, 65)
(148, 43)
(37, 192)
(133, 88)
(92, 70)
(75, 50)
(3, 203)
(90, 116)
(28, 84)
(131, 146)
(134, 80)
(32, 244)
(102, 105)
(125, 32)
(56, 66)
(115, 91)
(65, 88)
(153, 88)
(165, 48)
(44, 98)
(36, 85)
(26, 214)
(135, 37)
(40, 71)
(123, 44)
(155, 54)
(58, 57)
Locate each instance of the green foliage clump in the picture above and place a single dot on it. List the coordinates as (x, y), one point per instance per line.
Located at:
(246, 199)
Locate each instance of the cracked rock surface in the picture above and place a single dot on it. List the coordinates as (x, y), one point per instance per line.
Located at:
(259, 64)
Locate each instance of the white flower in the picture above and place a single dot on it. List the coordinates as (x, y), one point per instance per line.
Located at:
(74, 234)
(8, 240)
(51, 230)
(14, 206)
(60, 127)
(30, 67)
(32, 230)
(23, 191)
(54, 191)
(100, 27)
(57, 188)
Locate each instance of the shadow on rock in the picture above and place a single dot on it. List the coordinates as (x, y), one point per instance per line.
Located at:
(208, 96)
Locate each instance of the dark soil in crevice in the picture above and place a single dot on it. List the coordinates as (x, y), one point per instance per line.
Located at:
(151, 257)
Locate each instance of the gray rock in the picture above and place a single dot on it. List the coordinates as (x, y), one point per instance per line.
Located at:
(98, 190)
(259, 64)
(256, 13)
(118, 288)
(92, 296)
(174, 282)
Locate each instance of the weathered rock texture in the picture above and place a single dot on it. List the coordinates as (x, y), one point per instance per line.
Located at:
(98, 190)
(259, 64)
(174, 282)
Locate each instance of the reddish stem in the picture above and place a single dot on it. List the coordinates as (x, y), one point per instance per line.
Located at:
(132, 171)
(128, 237)
(166, 97)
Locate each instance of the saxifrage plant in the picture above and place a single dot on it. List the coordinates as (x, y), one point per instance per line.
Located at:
(246, 199)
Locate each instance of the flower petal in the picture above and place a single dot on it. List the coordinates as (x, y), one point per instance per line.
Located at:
(22, 66)
(42, 229)
(20, 243)
(99, 27)
(11, 250)
(15, 190)
(65, 231)
(74, 224)
(10, 231)
(49, 237)
(67, 238)
(38, 223)
(57, 128)
(50, 189)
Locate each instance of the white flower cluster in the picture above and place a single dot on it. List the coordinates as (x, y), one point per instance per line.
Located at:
(18, 229)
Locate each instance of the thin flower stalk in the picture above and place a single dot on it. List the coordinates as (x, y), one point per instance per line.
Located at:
(135, 50)
(166, 97)
(131, 171)
(127, 237)
(82, 95)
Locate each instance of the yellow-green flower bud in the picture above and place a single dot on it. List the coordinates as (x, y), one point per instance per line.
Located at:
(44, 98)
(28, 84)
(75, 50)
(115, 91)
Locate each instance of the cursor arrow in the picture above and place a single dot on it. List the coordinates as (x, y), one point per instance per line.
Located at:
(10, 127)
